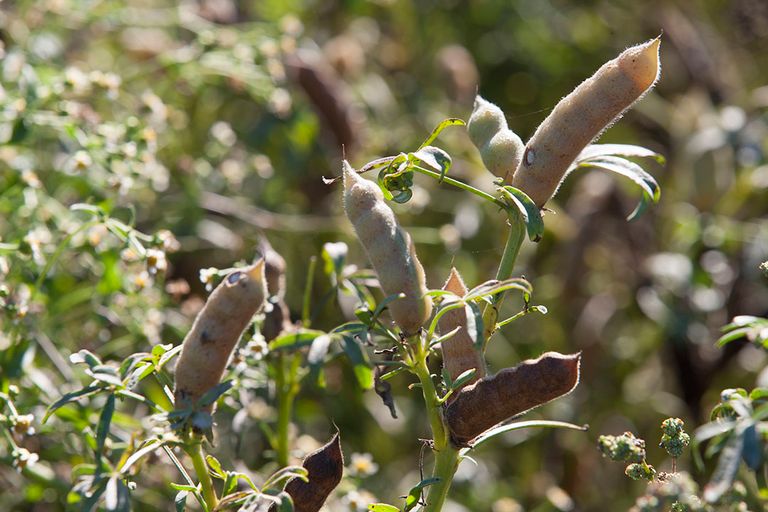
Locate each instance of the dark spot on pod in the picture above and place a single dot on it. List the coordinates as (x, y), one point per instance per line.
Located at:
(324, 467)
(510, 392)
(205, 337)
(235, 277)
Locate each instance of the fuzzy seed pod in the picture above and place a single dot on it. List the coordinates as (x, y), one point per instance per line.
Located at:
(390, 250)
(582, 116)
(324, 470)
(510, 392)
(459, 354)
(216, 330)
(500, 148)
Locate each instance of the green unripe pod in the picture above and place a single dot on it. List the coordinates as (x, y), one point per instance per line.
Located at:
(500, 148)
(389, 249)
(579, 118)
(216, 330)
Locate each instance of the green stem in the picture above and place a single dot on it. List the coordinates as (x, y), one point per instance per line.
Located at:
(463, 186)
(194, 449)
(286, 393)
(446, 455)
(515, 239)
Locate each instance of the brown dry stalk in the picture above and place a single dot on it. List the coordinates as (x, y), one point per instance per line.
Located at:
(324, 469)
(459, 354)
(209, 344)
(582, 116)
(510, 392)
(500, 148)
(389, 249)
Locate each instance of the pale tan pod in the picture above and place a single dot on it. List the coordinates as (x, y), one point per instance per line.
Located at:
(389, 249)
(510, 392)
(500, 148)
(582, 116)
(216, 330)
(459, 354)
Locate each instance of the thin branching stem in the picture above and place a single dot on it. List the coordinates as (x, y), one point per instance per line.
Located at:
(194, 448)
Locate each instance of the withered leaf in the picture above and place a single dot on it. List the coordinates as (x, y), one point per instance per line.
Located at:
(510, 392)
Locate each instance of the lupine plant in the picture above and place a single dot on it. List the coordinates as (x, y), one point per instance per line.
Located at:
(175, 388)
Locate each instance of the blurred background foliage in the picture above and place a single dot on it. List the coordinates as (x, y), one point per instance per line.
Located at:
(202, 125)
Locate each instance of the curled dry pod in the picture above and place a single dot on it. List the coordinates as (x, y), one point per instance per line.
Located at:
(582, 116)
(324, 469)
(459, 354)
(390, 250)
(510, 392)
(500, 148)
(209, 344)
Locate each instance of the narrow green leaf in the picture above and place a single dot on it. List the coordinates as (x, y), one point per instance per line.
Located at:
(434, 158)
(180, 501)
(502, 429)
(727, 466)
(462, 379)
(360, 364)
(70, 397)
(534, 224)
(183, 487)
(735, 334)
(148, 447)
(382, 507)
(215, 392)
(412, 500)
(630, 150)
(295, 340)
(102, 429)
(215, 467)
(440, 127)
(753, 448)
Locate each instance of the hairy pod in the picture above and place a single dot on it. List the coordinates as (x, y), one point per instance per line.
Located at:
(389, 249)
(582, 116)
(500, 148)
(324, 470)
(510, 392)
(216, 330)
(459, 354)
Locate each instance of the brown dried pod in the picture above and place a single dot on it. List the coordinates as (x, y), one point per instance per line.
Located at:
(277, 318)
(582, 116)
(510, 392)
(390, 250)
(459, 354)
(324, 469)
(328, 95)
(216, 330)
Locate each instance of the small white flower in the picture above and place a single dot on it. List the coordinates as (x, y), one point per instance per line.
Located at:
(358, 501)
(207, 276)
(362, 465)
(22, 424)
(156, 261)
(257, 348)
(23, 458)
